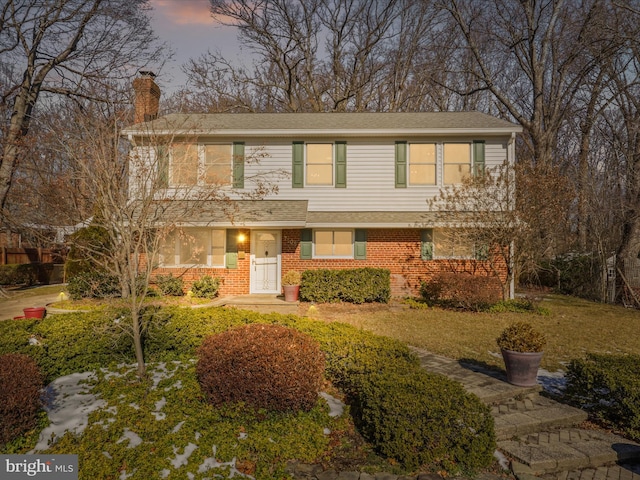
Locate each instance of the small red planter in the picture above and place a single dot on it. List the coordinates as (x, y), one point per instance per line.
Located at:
(291, 292)
(34, 312)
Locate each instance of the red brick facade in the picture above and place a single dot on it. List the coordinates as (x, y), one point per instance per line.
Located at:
(397, 250)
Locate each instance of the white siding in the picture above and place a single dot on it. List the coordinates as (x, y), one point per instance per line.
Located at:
(370, 173)
(370, 177)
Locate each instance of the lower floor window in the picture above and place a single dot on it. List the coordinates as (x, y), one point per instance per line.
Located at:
(193, 246)
(449, 243)
(333, 243)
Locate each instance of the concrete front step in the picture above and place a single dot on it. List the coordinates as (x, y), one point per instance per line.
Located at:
(488, 384)
(532, 413)
(566, 450)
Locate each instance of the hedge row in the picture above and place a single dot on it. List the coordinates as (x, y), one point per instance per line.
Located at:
(27, 273)
(609, 387)
(360, 285)
(407, 414)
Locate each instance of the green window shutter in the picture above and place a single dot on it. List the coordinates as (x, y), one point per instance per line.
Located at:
(306, 244)
(401, 164)
(238, 165)
(297, 167)
(360, 245)
(341, 164)
(482, 251)
(232, 249)
(426, 244)
(478, 158)
(162, 161)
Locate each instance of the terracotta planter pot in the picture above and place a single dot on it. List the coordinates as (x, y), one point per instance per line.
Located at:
(522, 367)
(291, 292)
(34, 312)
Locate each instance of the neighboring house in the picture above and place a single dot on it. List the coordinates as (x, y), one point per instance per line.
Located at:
(352, 189)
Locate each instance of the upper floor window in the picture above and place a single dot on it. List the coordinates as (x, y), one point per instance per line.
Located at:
(192, 164)
(319, 164)
(456, 162)
(422, 163)
(193, 246)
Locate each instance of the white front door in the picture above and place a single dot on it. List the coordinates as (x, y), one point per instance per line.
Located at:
(265, 261)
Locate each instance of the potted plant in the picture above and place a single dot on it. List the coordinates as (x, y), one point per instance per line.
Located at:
(291, 285)
(522, 347)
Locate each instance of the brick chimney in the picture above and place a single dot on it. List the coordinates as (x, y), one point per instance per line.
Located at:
(147, 97)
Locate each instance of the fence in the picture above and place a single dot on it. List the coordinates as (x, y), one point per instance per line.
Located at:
(28, 255)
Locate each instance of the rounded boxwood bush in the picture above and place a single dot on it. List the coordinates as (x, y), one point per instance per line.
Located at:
(419, 418)
(265, 366)
(19, 396)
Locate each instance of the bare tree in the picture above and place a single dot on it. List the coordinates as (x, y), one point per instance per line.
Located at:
(66, 47)
(132, 205)
(320, 55)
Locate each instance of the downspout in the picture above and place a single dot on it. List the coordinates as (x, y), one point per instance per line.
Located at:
(511, 152)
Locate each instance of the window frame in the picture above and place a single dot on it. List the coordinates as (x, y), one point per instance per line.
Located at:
(315, 255)
(436, 232)
(332, 164)
(201, 166)
(410, 163)
(178, 236)
(445, 163)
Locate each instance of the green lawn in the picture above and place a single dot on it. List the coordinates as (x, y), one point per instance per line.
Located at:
(573, 327)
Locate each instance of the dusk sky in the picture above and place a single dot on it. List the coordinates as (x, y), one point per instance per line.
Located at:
(190, 30)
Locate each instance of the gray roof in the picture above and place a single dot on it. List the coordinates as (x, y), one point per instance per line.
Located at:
(347, 124)
(294, 214)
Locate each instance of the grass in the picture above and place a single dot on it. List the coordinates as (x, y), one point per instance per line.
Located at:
(26, 292)
(573, 327)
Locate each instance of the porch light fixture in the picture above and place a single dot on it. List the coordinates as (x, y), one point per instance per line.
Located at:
(241, 239)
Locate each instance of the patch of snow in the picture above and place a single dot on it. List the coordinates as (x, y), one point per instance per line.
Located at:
(177, 428)
(211, 462)
(326, 431)
(554, 383)
(183, 459)
(177, 386)
(108, 455)
(124, 475)
(159, 405)
(133, 437)
(243, 436)
(502, 460)
(336, 407)
(69, 403)
(165, 473)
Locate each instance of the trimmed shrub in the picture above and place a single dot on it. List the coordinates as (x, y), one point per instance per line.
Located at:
(206, 287)
(360, 285)
(170, 285)
(19, 396)
(94, 284)
(462, 290)
(609, 387)
(87, 244)
(19, 274)
(425, 419)
(264, 366)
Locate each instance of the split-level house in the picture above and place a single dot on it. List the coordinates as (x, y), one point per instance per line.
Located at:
(352, 189)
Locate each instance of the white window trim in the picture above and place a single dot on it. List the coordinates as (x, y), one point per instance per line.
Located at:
(333, 257)
(438, 164)
(201, 149)
(442, 162)
(436, 256)
(333, 166)
(209, 264)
